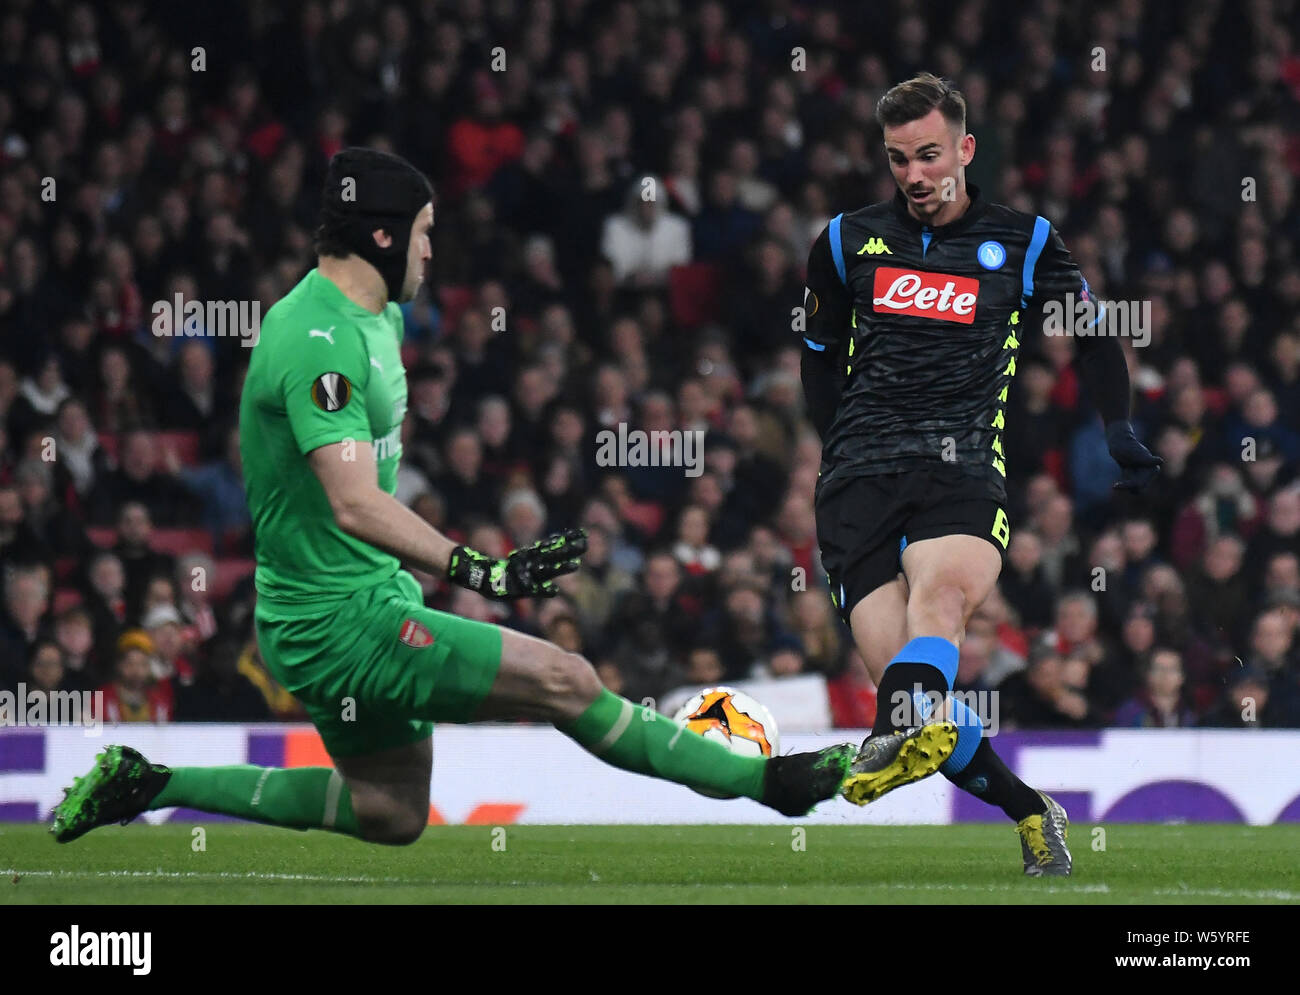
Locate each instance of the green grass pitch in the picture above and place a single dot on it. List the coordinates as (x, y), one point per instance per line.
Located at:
(1201, 864)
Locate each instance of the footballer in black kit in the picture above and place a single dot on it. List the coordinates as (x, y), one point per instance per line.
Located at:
(916, 310)
(924, 326)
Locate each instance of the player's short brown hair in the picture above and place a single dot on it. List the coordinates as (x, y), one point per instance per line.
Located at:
(915, 98)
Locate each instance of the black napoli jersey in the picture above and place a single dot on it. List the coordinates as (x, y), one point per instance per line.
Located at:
(928, 323)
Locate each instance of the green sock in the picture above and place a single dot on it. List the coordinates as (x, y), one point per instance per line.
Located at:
(297, 798)
(639, 739)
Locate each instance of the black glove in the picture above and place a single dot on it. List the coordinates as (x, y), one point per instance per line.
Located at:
(525, 573)
(1138, 463)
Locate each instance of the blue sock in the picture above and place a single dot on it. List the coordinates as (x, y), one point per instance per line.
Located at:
(939, 653)
(970, 730)
(924, 668)
(918, 662)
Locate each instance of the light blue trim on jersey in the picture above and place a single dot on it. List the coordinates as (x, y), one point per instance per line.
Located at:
(814, 346)
(926, 235)
(1042, 228)
(837, 249)
(1101, 314)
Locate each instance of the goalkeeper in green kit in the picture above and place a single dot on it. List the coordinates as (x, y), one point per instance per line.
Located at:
(342, 625)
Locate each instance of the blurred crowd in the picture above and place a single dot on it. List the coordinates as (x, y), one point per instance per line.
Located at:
(626, 196)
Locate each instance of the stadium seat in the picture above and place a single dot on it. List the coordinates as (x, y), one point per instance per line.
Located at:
(103, 536)
(184, 444)
(230, 571)
(108, 443)
(694, 293)
(64, 598)
(177, 542)
(454, 301)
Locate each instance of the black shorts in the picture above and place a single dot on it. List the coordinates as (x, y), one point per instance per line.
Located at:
(863, 523)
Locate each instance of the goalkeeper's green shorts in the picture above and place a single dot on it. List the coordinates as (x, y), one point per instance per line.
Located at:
(379, 669)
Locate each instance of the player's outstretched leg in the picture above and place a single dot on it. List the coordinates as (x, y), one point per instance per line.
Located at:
(122, 784)
(539, 680)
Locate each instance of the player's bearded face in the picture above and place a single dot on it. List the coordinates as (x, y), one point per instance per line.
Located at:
(418, 252)
(927, 157)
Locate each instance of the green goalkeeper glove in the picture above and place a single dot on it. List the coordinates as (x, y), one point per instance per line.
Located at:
(525, 573)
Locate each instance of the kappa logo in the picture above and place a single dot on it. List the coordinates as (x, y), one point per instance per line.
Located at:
(331, 391)
(416, 635)
(874, 247)
(926, 295)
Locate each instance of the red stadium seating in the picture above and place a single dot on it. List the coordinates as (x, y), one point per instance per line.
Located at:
(64, 598)
(108, 443)
(230, 571)
(65, 568)
(454, 301)
(177, 542)
(184, 444)
(181, 541)
(694, 293)
(103, 536)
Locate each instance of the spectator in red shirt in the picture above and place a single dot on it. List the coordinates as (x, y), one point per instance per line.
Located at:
(132, 695)
(482, 144)
(170, 666)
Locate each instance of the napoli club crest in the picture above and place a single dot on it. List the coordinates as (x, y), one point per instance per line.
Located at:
(991, 254)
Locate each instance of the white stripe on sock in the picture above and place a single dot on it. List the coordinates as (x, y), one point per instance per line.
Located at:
(332, 792)
(620, 726)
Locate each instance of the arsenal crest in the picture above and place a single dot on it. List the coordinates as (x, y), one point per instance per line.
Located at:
(414, 634)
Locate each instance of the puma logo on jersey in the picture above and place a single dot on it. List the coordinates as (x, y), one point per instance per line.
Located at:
(375, 363)
(317, 333)
(874, 247)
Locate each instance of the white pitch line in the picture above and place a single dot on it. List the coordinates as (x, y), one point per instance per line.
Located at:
(1285, 896)
(216, 875)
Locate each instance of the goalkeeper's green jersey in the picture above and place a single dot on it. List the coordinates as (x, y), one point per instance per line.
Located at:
(324, 370)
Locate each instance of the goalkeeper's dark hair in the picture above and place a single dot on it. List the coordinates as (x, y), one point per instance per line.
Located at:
(913, 99)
